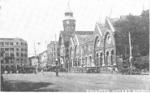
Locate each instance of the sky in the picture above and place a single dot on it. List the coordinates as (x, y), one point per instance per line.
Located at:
(39, 20)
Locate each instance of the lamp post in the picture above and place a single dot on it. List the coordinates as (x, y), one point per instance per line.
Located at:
(56, 60)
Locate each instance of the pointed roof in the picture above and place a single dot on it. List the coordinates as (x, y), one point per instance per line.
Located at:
(68, 9)
(109, 25)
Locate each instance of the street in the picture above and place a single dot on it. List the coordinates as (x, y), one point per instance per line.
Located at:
(75, 82)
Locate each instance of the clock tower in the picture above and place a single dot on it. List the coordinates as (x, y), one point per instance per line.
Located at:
(69, 21)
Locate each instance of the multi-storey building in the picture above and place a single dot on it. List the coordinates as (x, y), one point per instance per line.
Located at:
(51, 53)
(43, 59)
(14, 53)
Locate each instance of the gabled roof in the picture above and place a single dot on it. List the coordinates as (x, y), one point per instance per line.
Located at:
(100, 29)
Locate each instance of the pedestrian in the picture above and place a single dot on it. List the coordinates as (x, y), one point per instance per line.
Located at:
(56, 70)
(10, 72)
(17, 71)
(116, 70)
(42, 71)
(2, 82)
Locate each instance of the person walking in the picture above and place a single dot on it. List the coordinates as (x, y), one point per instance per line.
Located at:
(57, 70)
(42, 71)
(2, 82)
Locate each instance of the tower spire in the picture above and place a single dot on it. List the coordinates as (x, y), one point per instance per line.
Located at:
(68, 9)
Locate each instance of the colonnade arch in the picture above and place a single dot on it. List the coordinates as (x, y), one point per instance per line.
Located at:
(109, 48)
(104, 50)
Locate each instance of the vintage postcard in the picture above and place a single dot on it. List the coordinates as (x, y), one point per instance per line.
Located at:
(74, 45)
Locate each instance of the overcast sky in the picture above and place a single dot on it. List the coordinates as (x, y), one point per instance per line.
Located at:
(40, 20)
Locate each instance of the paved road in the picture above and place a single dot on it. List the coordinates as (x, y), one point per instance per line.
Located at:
(78, 82)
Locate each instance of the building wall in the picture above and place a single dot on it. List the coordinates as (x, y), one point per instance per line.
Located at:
(51, 52)
(15, 52)
(43, 59)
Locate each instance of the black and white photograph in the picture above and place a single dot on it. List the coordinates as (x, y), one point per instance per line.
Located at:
(74, 45)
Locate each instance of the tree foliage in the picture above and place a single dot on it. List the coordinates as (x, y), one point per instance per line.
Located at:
(138, 26)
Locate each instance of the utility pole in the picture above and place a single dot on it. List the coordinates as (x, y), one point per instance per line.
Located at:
(130, 47)
(56, 57)
(55, 46)
(35, 56)
(81, 60)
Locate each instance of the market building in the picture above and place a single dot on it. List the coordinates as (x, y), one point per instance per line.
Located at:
(84, 50)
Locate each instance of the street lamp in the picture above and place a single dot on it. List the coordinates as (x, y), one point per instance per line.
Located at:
(56, 60)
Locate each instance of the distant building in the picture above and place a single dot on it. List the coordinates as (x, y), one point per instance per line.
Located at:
(43, 59)
(51, 53)
(34, 61)
(13, 53)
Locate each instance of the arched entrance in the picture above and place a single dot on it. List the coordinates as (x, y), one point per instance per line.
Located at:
(85, 61)
(70, 55)
(7, 68)
(79, 61)
(12, 68)
(108, 46)
(18, 67)
(76, 59)
(106, 58)
(101, 59)
(112, 57)
(90, 61)
(97, 62)
(61, 63)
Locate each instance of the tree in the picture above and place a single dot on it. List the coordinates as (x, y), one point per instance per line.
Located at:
(138, 26)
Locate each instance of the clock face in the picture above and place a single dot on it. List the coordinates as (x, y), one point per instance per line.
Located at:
(67, 22)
